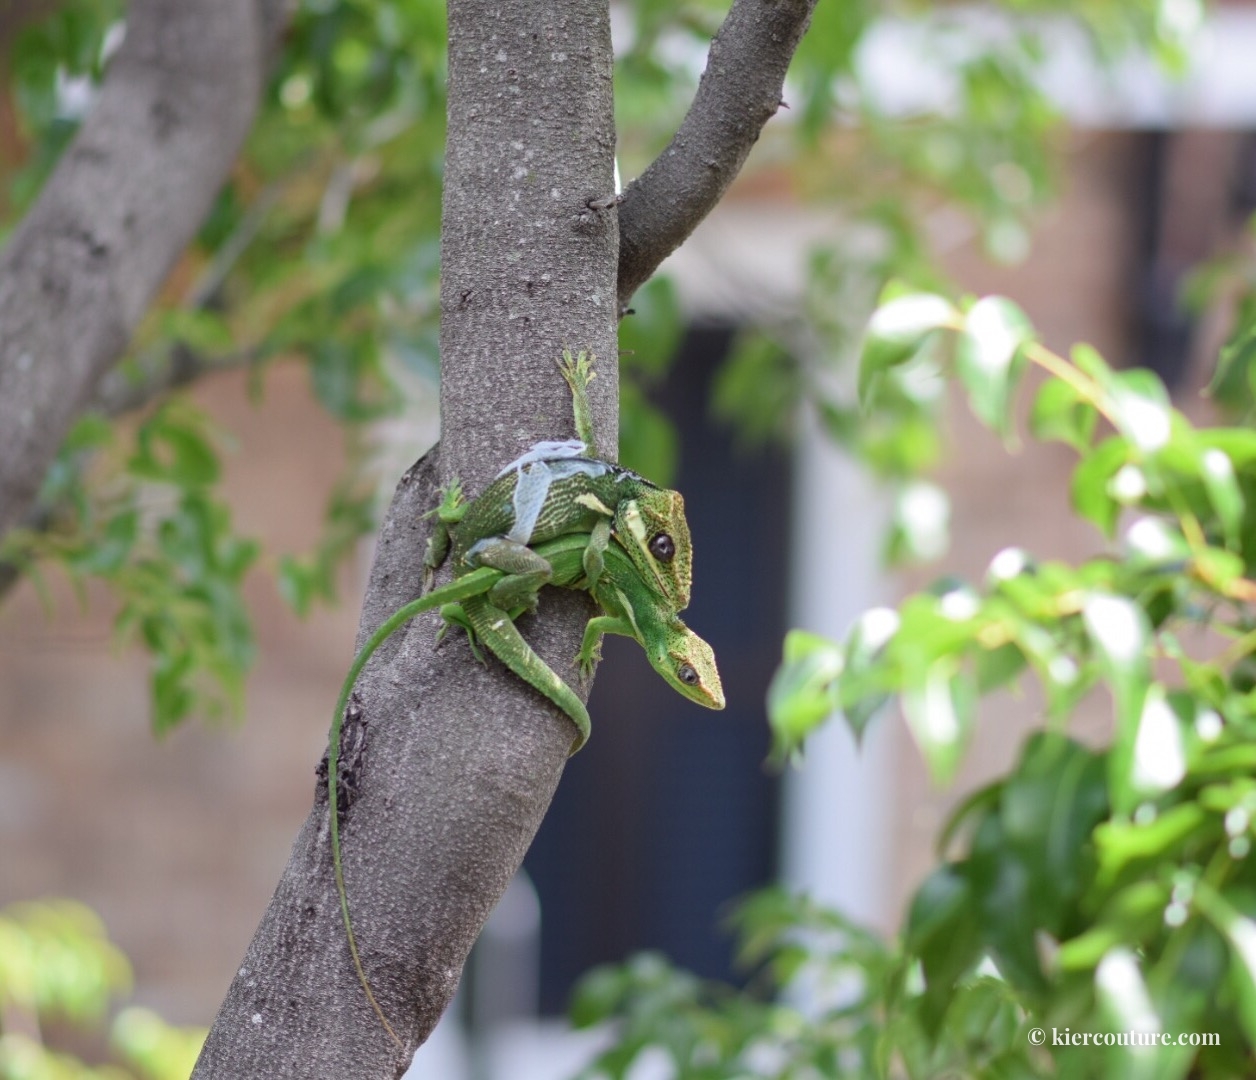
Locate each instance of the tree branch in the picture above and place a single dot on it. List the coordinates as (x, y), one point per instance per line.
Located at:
(123, 202)
(163, 370)
(121, 392)
(739, 92)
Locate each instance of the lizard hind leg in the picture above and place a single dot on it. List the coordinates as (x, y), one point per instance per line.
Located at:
(578, 372)
(455, 615)
(501, 637)
(525, 571)
(591, 644)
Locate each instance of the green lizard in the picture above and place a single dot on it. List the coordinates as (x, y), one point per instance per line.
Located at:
(630, 608)
(550, 491)
(554, 489)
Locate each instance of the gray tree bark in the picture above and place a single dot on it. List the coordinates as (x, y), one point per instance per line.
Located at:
(123, 202)
(455, 764)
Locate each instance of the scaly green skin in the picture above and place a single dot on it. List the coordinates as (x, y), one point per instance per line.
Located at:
(540, 497)
(680, 656)
(629, 607)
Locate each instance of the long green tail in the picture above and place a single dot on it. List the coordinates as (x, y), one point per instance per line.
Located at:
(458, 589)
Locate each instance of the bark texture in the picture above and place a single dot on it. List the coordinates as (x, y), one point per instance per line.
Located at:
(452, 765)
(740, 91)
(125, 199)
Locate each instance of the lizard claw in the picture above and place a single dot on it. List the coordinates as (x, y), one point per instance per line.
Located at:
(587, 661)
(577, 370)
(452, 505)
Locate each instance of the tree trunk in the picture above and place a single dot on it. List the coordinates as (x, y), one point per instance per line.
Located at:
(454, 764)
(448, 767)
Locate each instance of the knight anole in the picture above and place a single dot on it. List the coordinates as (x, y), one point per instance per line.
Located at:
(629, 608)
(640, 580)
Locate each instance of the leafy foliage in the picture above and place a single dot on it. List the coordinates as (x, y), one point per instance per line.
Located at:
(826, 999)
(58, 967)
(1229, 280)
(709, 1030)
(163, 543)
(322, 249)
(1106, 887)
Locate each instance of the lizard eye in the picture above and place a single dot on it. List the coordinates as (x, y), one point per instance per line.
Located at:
(687, 675)
(662, 547)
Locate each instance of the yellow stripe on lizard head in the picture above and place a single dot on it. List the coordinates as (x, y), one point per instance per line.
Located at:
(653, 531)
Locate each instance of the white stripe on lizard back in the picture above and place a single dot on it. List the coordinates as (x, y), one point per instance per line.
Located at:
(530, 491)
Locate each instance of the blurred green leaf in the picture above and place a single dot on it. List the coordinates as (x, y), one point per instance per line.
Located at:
(942, 931)
(1231, 381)
(1060, 412)
(1092, 493)
(648, 443)
(56, 960)
(757, 388)
(1217, 472)
(58, 966)
(1120, 635)
(897, 332)
(1126, 1006)
(201, 330)
(803, 692)
(172, 446)
(920, 526)
(865, 683)
(154, 1048)
(1140, 409)
(988, 358)
(1240, 931)
(650, 336)
(940, 712)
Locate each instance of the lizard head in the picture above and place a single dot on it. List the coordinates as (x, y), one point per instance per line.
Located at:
(653, 531)
(688, 664)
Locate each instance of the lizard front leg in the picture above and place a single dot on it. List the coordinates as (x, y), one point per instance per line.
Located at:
(450, 511)
(591, 644)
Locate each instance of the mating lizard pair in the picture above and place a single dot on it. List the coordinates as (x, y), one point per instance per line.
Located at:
(559, 517)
